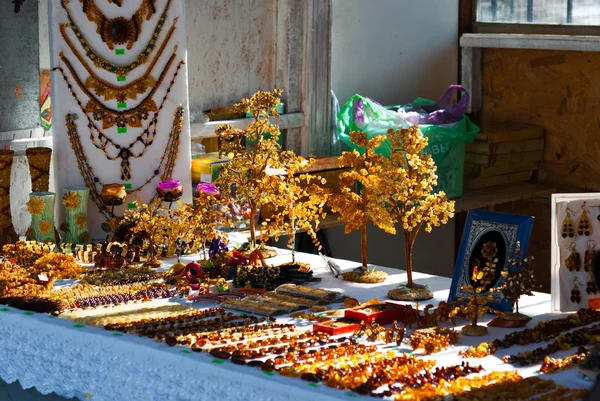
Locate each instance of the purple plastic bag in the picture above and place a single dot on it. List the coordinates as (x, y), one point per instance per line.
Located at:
(442, 112)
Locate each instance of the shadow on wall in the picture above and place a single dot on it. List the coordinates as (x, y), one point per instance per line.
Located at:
(433, 253)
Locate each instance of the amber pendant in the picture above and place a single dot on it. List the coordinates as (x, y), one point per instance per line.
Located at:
(567, 227)
(584, 226)
(573, 261)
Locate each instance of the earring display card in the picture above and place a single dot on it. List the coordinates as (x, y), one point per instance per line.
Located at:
(575, 235)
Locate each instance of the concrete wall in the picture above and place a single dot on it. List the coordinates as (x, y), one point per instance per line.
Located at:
(393, 51)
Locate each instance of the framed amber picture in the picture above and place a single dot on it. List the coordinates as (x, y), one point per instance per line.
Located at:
(482, 227)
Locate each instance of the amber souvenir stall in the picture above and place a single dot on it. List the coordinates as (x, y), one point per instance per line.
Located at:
(132, 283)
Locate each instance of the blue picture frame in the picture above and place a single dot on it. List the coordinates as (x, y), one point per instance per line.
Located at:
(481, 226)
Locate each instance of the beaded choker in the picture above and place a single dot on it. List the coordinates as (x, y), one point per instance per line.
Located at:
(117, 31)
(110, 117)
(121, 93)
(90, 179)
(103, 142)
(100, 62)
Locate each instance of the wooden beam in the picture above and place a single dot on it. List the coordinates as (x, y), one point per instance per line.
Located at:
(538, 42)
(471, 76)
(319, 78)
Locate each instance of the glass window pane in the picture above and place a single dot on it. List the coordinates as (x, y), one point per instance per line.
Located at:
(575, 12)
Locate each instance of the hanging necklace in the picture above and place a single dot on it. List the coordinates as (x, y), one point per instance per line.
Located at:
(120, 30)
(132, 117)
(92, 181)
(100, 62)
(103, 142)
(106, 89)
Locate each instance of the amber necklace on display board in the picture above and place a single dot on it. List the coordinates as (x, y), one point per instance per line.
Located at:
(110, 91)
(100, 62)
(119, 30)
(102, 141)
(91, 180)
(132, 117)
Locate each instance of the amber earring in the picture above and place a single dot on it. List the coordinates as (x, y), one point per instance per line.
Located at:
(575, 294)
(567, 225)
(573, 261)
(584, 225)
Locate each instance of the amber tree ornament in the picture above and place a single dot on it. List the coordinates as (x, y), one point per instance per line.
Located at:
(359, 206)
(519, 281)
(300, 199)
(409, 176)
(481, 279)
(248, 169)
(150, 221)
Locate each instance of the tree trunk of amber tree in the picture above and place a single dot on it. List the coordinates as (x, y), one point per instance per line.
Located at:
(363, 246)
(408, 255)
(252, 223)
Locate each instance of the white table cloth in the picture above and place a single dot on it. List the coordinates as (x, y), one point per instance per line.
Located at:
(72, 360)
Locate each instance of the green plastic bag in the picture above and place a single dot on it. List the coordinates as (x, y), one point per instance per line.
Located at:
(446, 142)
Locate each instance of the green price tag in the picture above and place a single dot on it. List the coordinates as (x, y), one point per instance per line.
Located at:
(28, 313)
(51, 317)
(121, 105)
(122, 130)
(269, 373)
(117, 335)
(4, 309)
(131, 206)
(351, 395)
(185, 351)
(127, 185)
(121, 78)
(119, 52)
(218, 361)
(313, 385)
(79, 326)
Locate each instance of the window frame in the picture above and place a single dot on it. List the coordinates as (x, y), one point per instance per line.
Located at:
(526, 28)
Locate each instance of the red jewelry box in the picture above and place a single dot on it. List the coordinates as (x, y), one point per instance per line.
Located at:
(335, 327)
(383, 313)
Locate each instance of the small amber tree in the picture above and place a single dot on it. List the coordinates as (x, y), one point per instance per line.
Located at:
(248, 170)
(358, 208)
(151, 221)
(410, 177)
(476, 302)
(301, 199)
(519, 279)
(205, 218)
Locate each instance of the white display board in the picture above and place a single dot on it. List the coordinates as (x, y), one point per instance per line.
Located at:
(564, 279)
(64, 103)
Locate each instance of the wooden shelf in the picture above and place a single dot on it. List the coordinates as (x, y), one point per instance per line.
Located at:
(485, 197)
(207, 129)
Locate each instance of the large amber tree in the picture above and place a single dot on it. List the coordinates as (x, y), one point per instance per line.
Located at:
(362, 190)
(301, 201)
(248, 169)
(409, 177)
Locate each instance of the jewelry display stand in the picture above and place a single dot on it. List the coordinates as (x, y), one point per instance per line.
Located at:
(165, 48)
(7, 231)
(42, 218)
(75, 201)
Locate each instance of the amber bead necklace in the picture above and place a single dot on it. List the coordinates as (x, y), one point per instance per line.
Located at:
(168, 158)
(110, 91)
(102, 142)
(100, 62)
(116, 31)
(132, 117)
